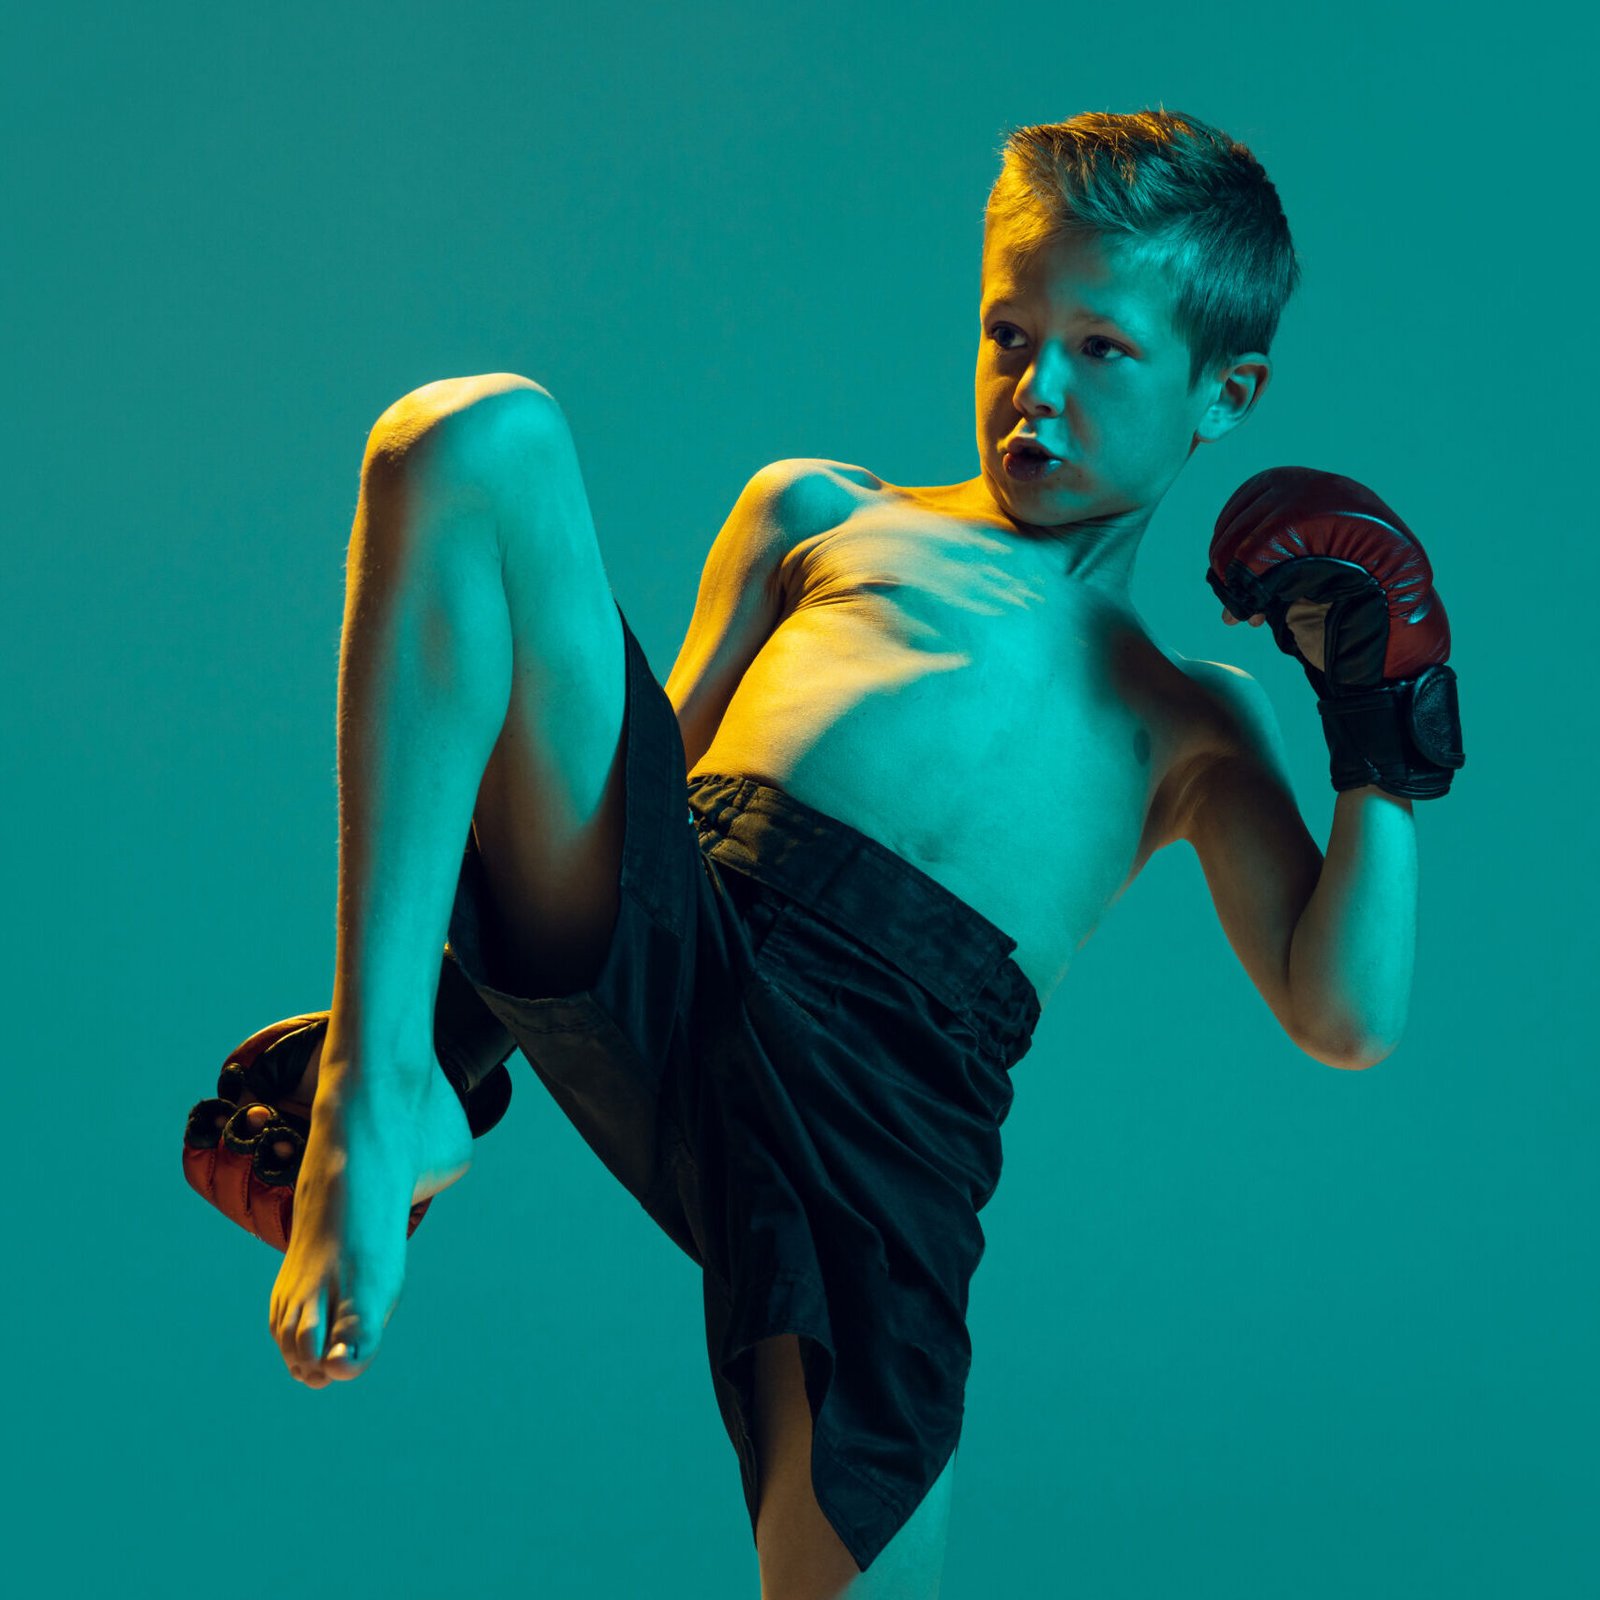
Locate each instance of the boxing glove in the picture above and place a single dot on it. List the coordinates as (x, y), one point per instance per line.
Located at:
(1385, 693)
(249, 1173)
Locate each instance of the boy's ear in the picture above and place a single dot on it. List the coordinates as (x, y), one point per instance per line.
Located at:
(1234, 396)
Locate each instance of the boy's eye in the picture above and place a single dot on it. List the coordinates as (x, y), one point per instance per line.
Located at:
(1093, 339)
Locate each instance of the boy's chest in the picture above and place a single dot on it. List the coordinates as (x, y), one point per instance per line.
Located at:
(1003, 731)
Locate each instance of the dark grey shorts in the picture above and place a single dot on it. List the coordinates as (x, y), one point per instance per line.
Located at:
(796, 1057)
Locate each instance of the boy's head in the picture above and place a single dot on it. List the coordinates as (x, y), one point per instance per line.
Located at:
(1173, 233)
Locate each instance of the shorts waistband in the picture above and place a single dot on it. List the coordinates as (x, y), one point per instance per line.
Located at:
(879, 898)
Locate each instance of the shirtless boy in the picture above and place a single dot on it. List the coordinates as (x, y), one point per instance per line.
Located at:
(936, 705)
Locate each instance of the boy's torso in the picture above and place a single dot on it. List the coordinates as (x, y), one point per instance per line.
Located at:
(939, 684)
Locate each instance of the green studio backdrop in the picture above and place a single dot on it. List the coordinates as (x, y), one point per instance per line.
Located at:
(1247, 1327)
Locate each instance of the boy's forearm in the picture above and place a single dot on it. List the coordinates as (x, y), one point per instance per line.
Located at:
(1352, 951)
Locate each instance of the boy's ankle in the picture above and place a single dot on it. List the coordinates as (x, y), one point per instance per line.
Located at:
(387, 1053)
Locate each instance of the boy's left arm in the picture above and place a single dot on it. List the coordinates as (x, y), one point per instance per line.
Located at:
(1348, 592)
(1327, 939)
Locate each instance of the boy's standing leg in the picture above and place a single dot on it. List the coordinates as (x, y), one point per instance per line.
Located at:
(802, 1558)
(481, 684)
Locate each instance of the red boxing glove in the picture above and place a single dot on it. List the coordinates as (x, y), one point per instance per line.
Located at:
(249, 1173)
(1387, 699)
(238, 1168)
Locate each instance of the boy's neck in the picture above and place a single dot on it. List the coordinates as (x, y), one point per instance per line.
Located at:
(1097, 556)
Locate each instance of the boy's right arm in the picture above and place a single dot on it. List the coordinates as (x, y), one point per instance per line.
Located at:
(740, 600)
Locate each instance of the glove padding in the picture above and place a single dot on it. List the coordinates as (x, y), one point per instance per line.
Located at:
(1386, 697)
(238, 1168)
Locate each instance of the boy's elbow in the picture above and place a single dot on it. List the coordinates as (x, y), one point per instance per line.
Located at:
(1360, 1060)
(1351, 1053)
(1356, 1058)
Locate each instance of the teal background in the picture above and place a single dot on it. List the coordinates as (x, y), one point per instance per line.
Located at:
(1248, 1327)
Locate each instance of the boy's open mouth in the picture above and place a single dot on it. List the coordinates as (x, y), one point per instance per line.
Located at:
(1026, 462)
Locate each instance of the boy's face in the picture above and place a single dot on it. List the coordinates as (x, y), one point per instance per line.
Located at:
(1077, 346)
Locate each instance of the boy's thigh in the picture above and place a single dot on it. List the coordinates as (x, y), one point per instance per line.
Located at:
(549, 813)
(801, 1556)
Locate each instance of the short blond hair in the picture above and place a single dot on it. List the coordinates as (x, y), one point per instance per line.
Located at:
(1160, 187)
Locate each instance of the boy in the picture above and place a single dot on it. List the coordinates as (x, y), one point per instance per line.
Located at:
(928, 742)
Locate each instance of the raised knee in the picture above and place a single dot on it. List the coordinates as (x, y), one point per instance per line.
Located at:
(449, 423)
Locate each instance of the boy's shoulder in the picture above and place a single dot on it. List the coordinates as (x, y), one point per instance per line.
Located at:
(820, 472)
(1239, 714)
(803, 495)
(1226, 718)
(839, 471)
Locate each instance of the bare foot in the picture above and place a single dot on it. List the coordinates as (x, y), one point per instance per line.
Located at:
(300, 1100)
(380, 1140)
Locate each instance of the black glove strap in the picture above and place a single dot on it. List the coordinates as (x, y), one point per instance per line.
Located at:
(1403, 737)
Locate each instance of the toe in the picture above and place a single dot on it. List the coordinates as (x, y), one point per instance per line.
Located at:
(304, 1343)
(351, 1342)
(344, 1362)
